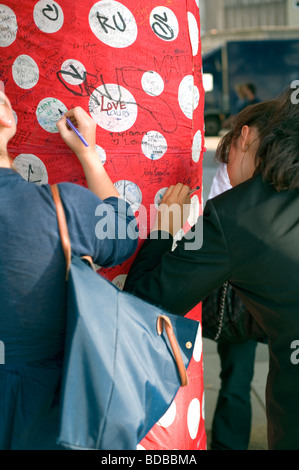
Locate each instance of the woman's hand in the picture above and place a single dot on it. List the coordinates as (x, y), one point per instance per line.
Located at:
(97, 179)
(174, 209)
(85, 125)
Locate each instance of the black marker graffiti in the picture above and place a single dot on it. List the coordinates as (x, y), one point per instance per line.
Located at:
(51, 9)
(168, 123)
(103, 20)
(85, 88)
(161, 28)
(31, 172)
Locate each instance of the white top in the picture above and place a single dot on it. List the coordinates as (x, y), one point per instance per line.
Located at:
(220, 182)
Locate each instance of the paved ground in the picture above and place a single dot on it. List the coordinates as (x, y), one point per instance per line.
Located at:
(211, 358)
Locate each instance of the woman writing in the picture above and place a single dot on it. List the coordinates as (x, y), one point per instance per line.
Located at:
(32, 278)
(251, 239)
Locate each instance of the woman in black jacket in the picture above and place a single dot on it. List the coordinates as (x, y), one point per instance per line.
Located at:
(251, 239)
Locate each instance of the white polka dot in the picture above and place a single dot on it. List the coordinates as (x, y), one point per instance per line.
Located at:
(8, 26)
(196, 146)
(159, 196)
(113, 24)
(48, 16)
(101, 153)
(188, 96)
(164, 23)
(197, 351)
(73, 72)
(193, 418)
(194, 33)
(154, 145)
(194, 210)
(113, 108)
(130, 192)
(169, 417)
(152, 83)
(140, 447)
(203, 409)
(119, 281)
(31, 168)
(47, 113)
(176, 238)
(25, 72)
(15, 116)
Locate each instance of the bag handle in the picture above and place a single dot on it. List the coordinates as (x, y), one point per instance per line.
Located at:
(63, 230)
(163, 320)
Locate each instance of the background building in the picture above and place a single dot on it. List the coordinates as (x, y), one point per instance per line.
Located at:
(247, 19)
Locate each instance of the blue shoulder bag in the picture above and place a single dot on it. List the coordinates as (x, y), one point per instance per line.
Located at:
(125, 359)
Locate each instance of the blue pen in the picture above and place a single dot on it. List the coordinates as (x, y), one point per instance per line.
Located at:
(75, 130)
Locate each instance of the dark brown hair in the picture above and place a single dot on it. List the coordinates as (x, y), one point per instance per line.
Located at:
(277, 123)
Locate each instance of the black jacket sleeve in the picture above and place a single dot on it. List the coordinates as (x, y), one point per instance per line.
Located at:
(178, 280)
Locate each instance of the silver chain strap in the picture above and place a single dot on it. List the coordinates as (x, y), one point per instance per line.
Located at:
(221, 309)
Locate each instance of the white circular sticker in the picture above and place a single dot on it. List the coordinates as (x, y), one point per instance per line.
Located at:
(31, 168)
(48, 16)
(140, 447)
(193, 418)
(196, 146)
(15, 116)
(154, 145)
(194, 33)
(194, 210)
(101, 153)
(164, 23)
(74, 72)
(113, 24)
(25, 72)
(159, 196)
(168, 417)
(188, 96)
(152, 83)
(113, 108)
(8, 26)
(130, 192)
(47, 113)
(197, 351)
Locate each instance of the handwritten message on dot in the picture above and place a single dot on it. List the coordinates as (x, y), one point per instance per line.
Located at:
(47, 113)
(188, 96)
(113, 24)
(154, 145)
(130, 192)
(25, 72)
(73, 71)
(113, 108)
(31, 168)
(164, 23)
(8, 26)
(48, 16)
(152, 83)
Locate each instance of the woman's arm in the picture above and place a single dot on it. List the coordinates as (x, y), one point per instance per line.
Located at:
(178, 280)
(97, 179)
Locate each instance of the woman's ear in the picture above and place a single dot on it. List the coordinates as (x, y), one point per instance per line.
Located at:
(244, 138)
